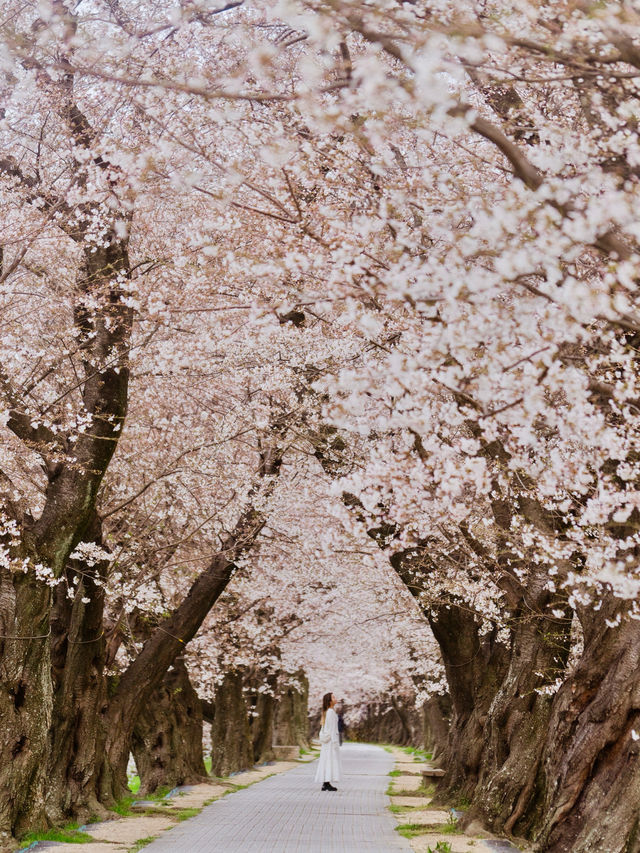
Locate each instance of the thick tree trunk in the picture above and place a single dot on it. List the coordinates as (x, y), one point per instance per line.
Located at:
(436, 711)
(25, 701)
(475, 665)
(508, 795)
(262, 719)
(291, 725)
(144, 675)
(134, 689)
(591, 760)
(167, 738)
(77, 734)
(231, 747)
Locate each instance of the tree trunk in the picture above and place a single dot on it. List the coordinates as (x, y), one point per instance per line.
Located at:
(292, 713)
(475, 665)
(136, 686)
(508, 795)
(144, 675)
(591, 760)
(77, 734)
(436, 711)
(262, 719)
(167, 738)
(231, 747)
(25, 701)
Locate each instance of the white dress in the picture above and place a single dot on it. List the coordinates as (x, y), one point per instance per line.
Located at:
(329, 763)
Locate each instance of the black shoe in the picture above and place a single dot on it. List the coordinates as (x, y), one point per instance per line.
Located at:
(325, 787)
(330, 787)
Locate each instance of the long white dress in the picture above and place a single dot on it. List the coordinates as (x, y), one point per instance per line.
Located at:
(329, 763)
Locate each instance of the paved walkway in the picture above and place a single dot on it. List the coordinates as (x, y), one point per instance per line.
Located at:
(289, 813)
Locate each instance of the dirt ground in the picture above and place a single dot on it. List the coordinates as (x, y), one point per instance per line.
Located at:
(413, 808)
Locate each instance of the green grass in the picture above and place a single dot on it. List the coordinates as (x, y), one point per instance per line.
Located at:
(134, 784)
(142, 842)
(410, 830)
(123, 806)
(207, 764)
(69, 834)
(185, 814)
(418, 754)
(399, 809)
(441, 847)
(396, 773)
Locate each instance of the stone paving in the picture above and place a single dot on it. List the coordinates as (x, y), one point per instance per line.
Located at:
(289, 813)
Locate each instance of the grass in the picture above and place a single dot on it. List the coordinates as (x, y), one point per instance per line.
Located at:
(69, 834)
(142, 842)
(185, 814)
(123, 806)
(392, 792)
(441, 847)
(410, 830)
(399, 809)
(395, 773)
(134, 784)
(418, 754)
(207, 763)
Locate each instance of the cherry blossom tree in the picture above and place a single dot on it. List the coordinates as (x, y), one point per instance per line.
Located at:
(373, 263)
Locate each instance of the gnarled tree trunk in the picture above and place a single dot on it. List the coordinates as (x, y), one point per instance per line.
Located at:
(436, 711)
(508, 795)
(231, 747)
(135, 687)
(475, 665)
(77, 734)
(591, 760)
(292, 713)
(25, 701)
(167, 738)
(262, 720)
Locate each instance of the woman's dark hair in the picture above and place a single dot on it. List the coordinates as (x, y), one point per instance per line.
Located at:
(326, 703)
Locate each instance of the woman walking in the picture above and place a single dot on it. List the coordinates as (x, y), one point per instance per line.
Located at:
(329, 765)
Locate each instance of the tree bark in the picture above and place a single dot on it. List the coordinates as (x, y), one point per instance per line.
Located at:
(77, 733)
(508, 795)
(231, 747)
(436, 711)
(167, 738)
(262, 721)
(26, 699)
(135, 687)
(591, 762)
(291, 725)
(475, 665)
